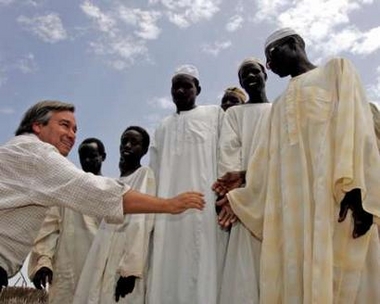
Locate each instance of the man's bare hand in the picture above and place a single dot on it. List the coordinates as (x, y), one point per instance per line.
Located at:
(228, 181)
(43, 275)
(226, 217)
(186, 200)
(3, 278)
(362, 219)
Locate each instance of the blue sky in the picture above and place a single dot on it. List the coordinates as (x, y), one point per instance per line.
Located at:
(114, 59)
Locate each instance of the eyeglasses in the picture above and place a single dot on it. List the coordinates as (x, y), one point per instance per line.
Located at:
(273, 50)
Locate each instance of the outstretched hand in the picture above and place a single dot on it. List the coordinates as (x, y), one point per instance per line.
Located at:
(43, 275)
(362, 219)
(228, 181)
(226, 217)
(186, 200)
(124, 286)
(3, 278)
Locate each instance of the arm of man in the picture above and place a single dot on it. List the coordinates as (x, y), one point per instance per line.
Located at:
(40, 266)
(137, 202)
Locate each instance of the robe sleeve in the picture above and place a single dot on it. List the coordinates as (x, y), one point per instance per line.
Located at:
(137, 234)
(356, 158)
(45, 245)
(230, 145)
(248, 203)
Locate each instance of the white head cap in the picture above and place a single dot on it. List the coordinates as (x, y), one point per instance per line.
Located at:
(251, 60)
(279, 34)
(187, 69)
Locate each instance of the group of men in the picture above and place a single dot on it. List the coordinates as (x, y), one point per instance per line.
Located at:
(288, 192)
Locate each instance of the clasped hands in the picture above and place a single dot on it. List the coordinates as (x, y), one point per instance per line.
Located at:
(229, 181)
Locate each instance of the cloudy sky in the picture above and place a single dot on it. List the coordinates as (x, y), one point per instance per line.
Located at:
(114, 59)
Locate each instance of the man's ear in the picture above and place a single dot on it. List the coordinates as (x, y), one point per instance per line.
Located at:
(292, 42)
(36, 127)
(104, 156)
(199, 89)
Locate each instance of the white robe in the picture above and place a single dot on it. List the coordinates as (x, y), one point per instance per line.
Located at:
(184, 157)
(119, 250)
(242, 127)
(62, 245)
(321, 145)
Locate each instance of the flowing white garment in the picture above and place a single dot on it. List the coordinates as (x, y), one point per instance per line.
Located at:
(242, 127)
(62, 245)
(321, 145)
(119, 250)
(184, 157)
(35, 176)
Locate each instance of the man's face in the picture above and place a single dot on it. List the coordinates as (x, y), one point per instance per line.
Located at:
(278, 56)
(252, 77)
(230, 100)
(184, 92)
(131, 147)
(60, 131)
(90, 157)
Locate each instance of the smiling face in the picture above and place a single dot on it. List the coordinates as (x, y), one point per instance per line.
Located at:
(184, 92)
(252, 77)
(60, 131)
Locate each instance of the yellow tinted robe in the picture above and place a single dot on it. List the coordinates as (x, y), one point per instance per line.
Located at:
(321, 145)
(62, 246)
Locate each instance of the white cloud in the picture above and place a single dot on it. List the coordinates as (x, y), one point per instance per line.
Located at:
(216, 47)
(47, 27)
(165, 103)
(234, 23)
(27, 64)
(325, 24)
(183, 13)
(146, 21)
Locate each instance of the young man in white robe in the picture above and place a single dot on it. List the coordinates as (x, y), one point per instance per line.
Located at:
(184, 155)
(65, 237)
(35, 175)
(243, 126)
(319, 175)
(116, 266)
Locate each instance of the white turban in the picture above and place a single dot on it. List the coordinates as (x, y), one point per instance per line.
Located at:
(279, 34)
(187, 69)
(251, 60)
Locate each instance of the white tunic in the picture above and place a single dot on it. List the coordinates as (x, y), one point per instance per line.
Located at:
(35, 176)
(242, 127)
(184, 157)
(321, 145)
(62, 246)
(119, 250)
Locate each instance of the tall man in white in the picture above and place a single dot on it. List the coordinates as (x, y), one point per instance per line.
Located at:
(184, 156)
(320, 175)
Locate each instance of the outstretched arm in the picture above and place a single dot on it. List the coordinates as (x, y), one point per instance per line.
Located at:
(137, 202)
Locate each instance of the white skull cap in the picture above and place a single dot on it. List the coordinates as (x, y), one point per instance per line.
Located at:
(279, 34)
(187, 69)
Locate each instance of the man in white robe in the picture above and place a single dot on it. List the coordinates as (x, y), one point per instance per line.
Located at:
(319, 175)
(116, 265)
(65, 237)
(183, 156)
(35, 175)
(243, 125)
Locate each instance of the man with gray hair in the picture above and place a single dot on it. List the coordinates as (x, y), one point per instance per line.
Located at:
(35, 175)
(319, 164)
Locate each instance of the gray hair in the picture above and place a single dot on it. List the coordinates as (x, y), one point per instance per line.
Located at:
(41, 113)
